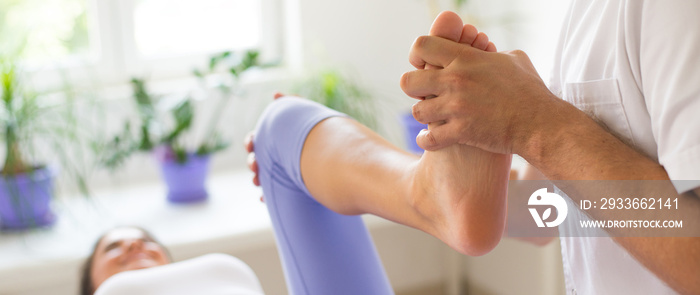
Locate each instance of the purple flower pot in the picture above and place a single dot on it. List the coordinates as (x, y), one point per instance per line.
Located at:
(25, 200)
(186, 181)
(411, 130)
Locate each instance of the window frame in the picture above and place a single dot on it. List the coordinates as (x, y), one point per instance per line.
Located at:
(114, 57)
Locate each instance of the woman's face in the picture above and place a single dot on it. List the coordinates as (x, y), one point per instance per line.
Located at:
(125, 249)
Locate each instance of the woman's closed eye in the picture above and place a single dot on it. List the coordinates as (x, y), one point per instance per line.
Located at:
(113, 245)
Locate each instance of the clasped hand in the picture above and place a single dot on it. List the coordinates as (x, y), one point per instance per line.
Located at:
(492, 100)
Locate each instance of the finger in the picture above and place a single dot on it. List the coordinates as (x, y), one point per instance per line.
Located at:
(429, 111)
(278, 95)
(262, 199)
(491, 47)
(469, 33)
(481, 41)
(256, 180)
(252, 163)
(421, 83)
(436, 138)
(248, 142)
(433, 50)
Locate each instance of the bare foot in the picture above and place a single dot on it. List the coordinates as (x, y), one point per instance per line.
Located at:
(461, 190)
(449, 25)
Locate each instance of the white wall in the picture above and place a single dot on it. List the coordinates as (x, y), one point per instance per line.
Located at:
(371, 40)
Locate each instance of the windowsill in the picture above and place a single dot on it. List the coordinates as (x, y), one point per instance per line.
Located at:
(233, 217)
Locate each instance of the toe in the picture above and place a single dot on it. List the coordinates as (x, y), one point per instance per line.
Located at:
(491, 47)
(481, 41)
(469, 33)
(447, 25)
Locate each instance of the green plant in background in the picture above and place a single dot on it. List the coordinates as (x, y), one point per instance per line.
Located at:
(154, 132)
(26, 121)
(235, 66)
(335, 90)
(18, 113)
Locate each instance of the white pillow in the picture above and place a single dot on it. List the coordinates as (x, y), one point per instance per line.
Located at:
(210, 274)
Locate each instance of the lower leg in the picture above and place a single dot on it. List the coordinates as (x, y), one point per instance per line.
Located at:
(456, 194)
(322, 252)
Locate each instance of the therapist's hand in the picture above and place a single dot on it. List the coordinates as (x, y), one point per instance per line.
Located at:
(494, 101)
(250, 148)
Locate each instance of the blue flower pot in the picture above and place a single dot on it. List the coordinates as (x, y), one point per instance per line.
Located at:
(411, 130)
(25, 200)
(186, 181)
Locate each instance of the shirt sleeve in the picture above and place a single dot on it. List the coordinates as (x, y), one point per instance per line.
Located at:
(670, 67)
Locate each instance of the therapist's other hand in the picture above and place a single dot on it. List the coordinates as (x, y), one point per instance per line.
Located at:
(250, 148)
(252, 163)
(494, 101)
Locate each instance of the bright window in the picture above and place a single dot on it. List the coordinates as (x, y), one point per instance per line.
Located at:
(45, 31)
(176, 27)
(109, 41)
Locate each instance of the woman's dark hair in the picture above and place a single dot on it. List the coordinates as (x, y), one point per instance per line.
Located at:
(86, 285)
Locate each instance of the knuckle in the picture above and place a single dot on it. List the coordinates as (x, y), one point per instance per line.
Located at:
(416, 111)
(421, 41)
(431, 142)
(455, 106)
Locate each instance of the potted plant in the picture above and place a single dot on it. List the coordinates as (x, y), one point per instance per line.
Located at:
(184, 167)
(28, 125)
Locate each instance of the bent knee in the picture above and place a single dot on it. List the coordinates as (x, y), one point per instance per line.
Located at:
(283, 126)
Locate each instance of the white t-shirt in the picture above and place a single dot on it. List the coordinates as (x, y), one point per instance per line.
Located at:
(211, 274)
(634, 65)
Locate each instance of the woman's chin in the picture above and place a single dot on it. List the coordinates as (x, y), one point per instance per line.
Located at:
(142, 264)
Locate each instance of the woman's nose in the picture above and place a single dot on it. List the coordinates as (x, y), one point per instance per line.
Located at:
(134, 244)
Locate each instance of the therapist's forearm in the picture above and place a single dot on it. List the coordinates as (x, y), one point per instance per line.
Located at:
(574, 147)
(569, 145)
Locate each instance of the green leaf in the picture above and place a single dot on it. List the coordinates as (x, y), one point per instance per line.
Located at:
(460, 3)
(183, 114)
(336, 91)
(233, 72)
(180, 154)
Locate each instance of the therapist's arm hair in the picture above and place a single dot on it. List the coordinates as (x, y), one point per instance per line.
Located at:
(574, 146)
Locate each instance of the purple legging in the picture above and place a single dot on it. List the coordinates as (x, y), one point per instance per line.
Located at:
(322, 252)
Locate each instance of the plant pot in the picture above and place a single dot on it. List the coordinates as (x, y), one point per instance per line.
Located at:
(411, 130)
(186, 181)
(25, 200)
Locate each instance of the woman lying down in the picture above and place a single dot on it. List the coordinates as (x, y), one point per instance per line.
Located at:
(129, 261)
